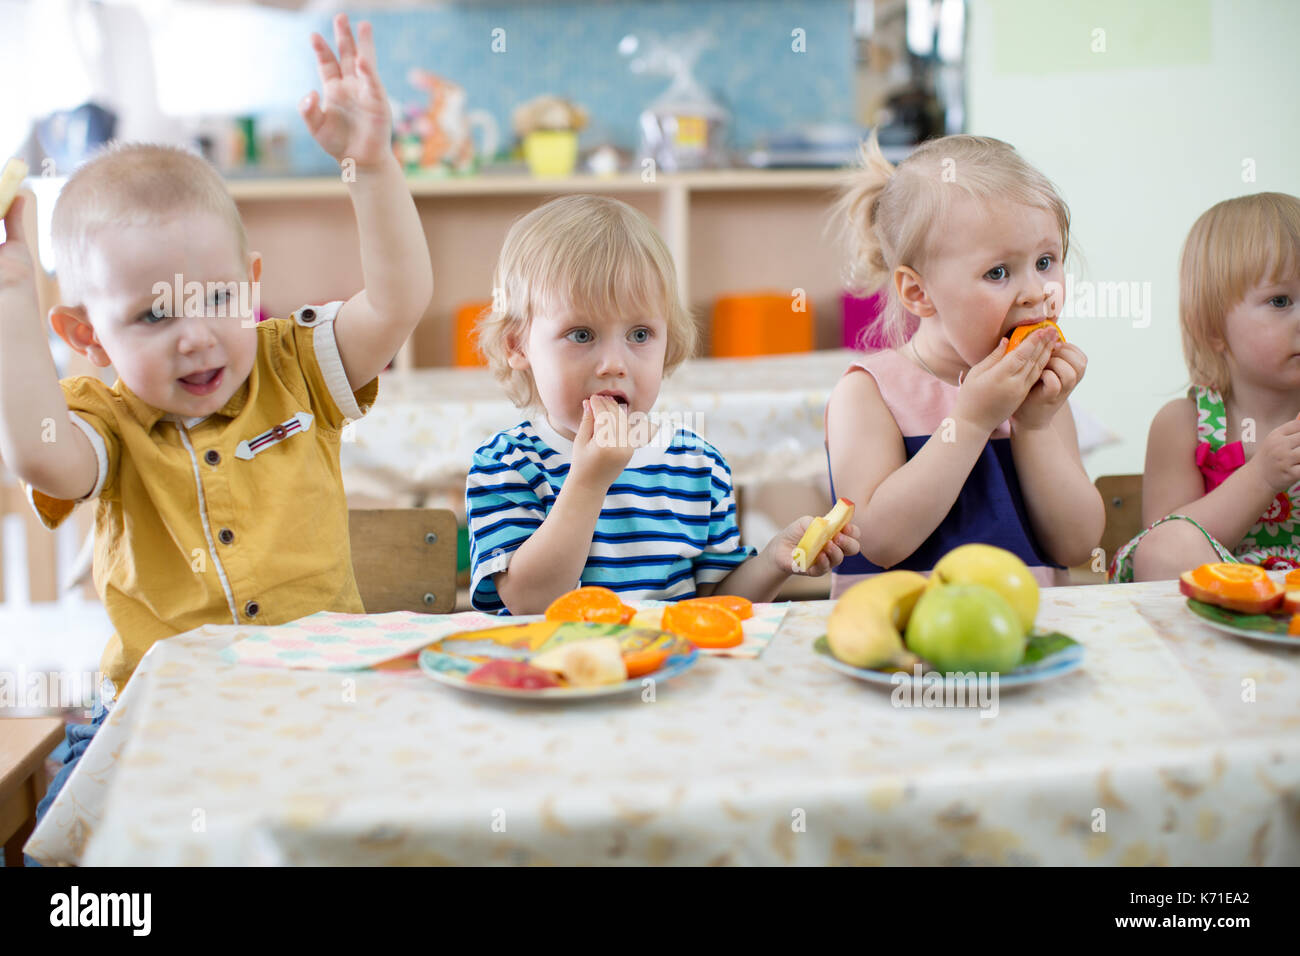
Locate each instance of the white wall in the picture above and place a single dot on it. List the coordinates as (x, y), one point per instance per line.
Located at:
(1141, 139)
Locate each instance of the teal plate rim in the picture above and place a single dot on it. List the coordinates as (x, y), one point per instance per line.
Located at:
(1065, 661)
(444, 669)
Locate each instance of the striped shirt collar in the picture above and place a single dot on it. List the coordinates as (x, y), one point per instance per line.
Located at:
(651, 454)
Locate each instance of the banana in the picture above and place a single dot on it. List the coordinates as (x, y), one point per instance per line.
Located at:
(585, 663)
(15, 170)
(866, 625)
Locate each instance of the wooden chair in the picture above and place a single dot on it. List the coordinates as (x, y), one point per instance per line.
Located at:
(404, 559)
(1122, 496)
(25, 742)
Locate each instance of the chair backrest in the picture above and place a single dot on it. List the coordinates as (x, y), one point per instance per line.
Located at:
(1122, 496)
(404, 559)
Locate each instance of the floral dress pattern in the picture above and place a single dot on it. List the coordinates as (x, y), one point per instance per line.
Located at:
(1273, 542)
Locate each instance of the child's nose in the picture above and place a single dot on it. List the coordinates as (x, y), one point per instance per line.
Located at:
(195, 334)
(612, 362)
(1034, 291)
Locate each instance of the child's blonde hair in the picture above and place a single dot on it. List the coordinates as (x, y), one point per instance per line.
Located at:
(1234, 246)
(889, 213)
(132, 184)
(591, 253)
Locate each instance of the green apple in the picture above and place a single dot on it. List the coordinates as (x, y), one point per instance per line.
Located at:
(966, 627)
(994, 568)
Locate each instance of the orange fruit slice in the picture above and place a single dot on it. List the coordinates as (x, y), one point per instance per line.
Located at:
(1293, 580)
(1240, 580)
(1239, 587)
(590, 604)
(639, 663)
(1020, 333)
(704, 625)
(743, 608)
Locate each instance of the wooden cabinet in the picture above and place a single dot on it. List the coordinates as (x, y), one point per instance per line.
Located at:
(729, 230)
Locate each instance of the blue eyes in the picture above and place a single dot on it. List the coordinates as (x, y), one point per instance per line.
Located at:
(998, 273)
(155, 317)
(1280, 301)
(639, 336)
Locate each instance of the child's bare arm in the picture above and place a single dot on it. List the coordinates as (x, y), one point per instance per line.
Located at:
(37, 442)
(352, 123)
(898, 502)
(1065, 508)
(552, 560)
(761, 577)
(1172, 483)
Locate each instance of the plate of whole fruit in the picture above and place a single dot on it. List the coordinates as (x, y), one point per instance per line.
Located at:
(973, 615)
(1242, 600)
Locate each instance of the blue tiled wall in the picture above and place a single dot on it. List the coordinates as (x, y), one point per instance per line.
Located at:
(571, 49)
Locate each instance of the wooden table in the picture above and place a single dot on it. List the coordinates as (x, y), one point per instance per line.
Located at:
(25, 742)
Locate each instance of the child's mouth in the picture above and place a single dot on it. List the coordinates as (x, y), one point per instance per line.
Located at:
(616, 396)
(203, 383)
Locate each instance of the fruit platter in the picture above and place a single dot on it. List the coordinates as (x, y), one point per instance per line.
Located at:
(556, 659)
(1243, 600)
(588, 644)
(975, 614)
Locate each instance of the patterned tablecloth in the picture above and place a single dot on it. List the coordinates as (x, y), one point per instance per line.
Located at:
(1174, 744)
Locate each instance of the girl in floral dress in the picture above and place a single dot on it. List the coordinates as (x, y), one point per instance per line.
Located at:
(1222, 480)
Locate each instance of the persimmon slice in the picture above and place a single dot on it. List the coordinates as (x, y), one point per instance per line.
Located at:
(704, 625)
(743, 608)
(590, 604)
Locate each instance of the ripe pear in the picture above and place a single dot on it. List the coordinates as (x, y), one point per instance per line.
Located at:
(994, 568)
(865, 627)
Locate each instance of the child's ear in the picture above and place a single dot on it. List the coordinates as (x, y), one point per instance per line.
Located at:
(71, 324)
(911, 292)
(515, 356)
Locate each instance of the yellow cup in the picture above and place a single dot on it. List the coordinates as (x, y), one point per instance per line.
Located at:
(551, 152)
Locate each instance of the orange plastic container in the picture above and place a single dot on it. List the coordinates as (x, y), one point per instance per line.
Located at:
(761, 324)
(467, 315)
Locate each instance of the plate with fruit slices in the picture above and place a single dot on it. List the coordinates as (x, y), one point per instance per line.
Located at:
(1242, 600)
(975, 614)
(556, 660)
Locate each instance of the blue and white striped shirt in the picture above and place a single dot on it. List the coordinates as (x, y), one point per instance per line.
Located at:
(668, 522)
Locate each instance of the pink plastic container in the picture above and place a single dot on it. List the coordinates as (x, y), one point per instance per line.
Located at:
(862, 317)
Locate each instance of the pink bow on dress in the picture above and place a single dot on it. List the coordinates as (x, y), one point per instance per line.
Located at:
(1216, 466)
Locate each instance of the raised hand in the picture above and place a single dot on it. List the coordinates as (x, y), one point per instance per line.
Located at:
(17, 274)
(351, 119)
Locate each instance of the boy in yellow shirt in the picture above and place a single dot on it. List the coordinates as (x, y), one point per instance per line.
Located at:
(215, 456)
